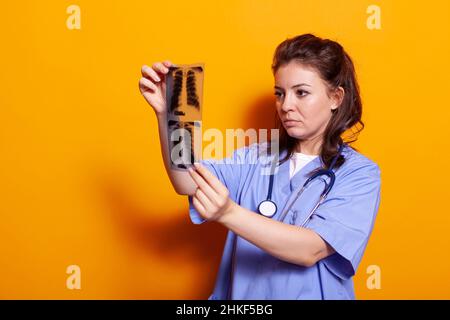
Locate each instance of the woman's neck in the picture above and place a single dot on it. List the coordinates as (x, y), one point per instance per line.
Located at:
(309, 147)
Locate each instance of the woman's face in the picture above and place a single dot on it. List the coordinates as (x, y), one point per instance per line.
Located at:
(302, 102)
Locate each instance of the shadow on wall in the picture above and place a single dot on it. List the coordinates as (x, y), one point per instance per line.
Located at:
(171, 237)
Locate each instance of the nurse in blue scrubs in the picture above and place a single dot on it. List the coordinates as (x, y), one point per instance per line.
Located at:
(317, 101)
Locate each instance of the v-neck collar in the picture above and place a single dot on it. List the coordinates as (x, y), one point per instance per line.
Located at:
(299, 177)
(288, 184)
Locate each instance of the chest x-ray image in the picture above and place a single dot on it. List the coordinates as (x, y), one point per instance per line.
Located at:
(184, 98)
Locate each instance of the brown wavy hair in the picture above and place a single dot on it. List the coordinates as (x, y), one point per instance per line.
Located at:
(336, 68)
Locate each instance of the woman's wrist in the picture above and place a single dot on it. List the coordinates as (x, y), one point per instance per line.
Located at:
(229, 214)
(161, 116)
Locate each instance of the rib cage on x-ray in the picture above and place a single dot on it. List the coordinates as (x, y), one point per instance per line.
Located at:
(191, 90)
(184, 92)
(192, 97)
(189, 130)
(176, 93)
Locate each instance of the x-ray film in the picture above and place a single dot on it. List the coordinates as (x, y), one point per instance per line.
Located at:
(184, 98)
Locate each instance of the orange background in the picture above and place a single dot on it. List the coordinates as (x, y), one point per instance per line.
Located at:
(82, 178)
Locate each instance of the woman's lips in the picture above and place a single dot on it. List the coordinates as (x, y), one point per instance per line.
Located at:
(291, 123)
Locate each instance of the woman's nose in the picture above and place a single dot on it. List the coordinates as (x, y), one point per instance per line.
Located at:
(287, 104)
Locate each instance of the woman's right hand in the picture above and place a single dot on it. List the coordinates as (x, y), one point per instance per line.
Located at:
(153, 85)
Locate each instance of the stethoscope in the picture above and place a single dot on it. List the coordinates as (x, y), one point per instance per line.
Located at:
(268, 207)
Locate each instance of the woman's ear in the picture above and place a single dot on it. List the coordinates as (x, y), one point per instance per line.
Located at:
(338, 97)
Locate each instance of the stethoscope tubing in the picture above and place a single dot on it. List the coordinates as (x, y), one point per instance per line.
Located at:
(328, 172)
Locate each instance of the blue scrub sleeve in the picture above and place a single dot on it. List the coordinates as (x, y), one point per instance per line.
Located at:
(228, 171)
(346, 218)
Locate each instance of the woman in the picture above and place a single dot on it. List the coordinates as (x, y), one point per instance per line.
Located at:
(300, 257)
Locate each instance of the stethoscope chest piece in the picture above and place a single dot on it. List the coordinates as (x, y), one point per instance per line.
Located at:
(267, 208)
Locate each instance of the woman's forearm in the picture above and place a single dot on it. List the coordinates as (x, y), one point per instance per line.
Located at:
(181, 180)
(286, 242)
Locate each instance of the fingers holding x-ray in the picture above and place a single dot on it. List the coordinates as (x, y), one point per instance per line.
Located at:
(145, 85)
(150, 74)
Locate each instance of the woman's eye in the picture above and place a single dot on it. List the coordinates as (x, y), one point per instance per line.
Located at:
(301, 93)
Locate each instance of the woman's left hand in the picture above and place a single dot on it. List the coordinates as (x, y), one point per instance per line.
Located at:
(211, 199)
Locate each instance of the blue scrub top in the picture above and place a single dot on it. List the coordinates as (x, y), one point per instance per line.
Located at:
(344, 220)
